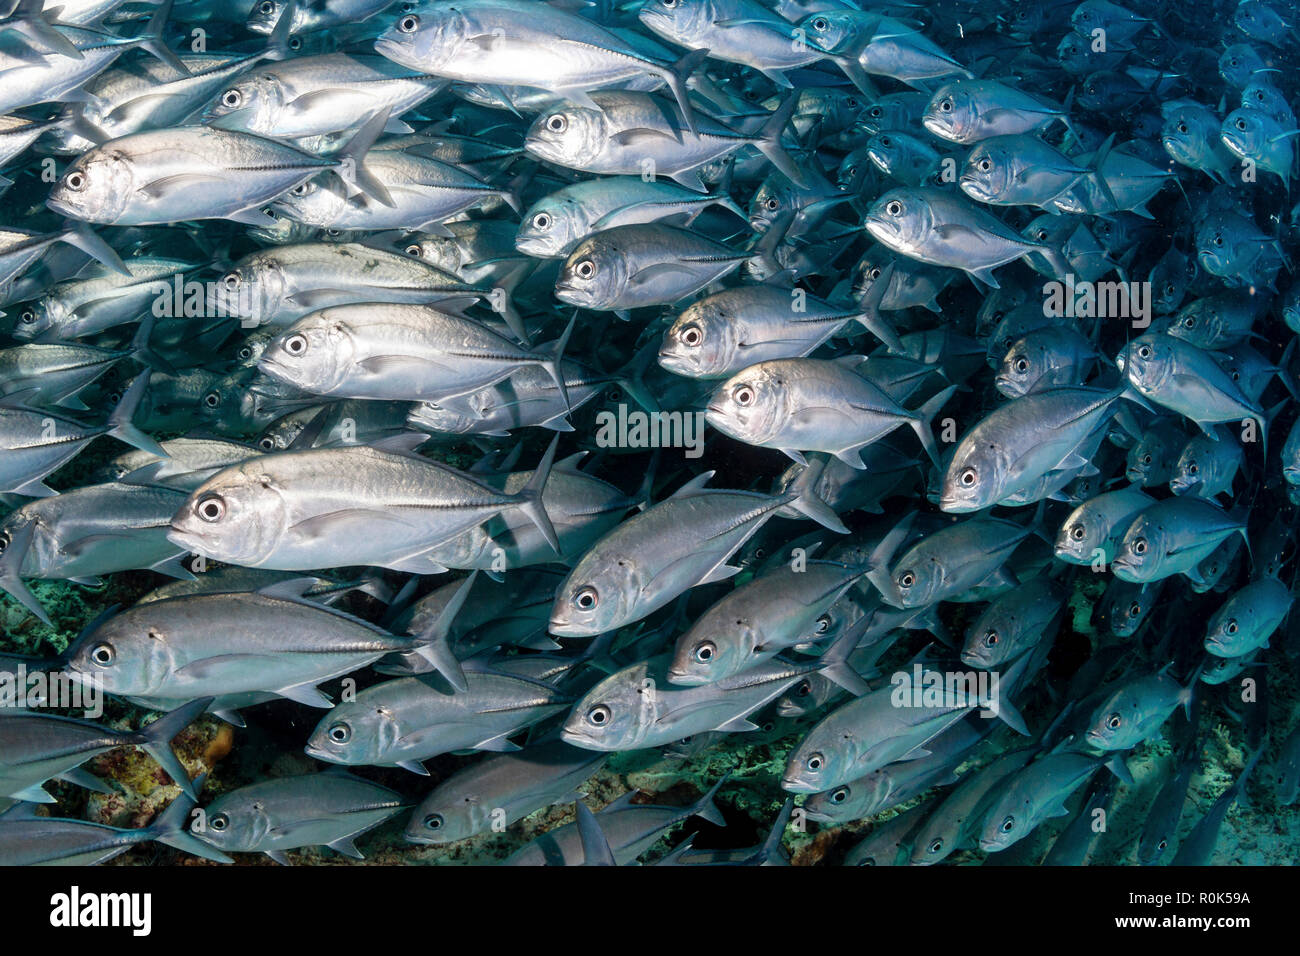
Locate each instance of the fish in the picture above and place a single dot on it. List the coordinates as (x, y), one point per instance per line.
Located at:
(287, 813)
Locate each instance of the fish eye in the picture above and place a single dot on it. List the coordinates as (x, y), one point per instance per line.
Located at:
(1114, 721)
(542, 221)
(907, 579)
(744, 395)
(815, 762)
(875, 112)
(692, 336)
(267, 443)
(219, 822)
(409, 23)
(245, 353)
(586, 598)
(936, 846)
(1231, 627)
(772, 203)
(946, 104)
(1008, 824)
(557, 123)
(585, 269)
(875, 273)
(823, 624)
(599, 715)
(821, 25)
(231, 99)
(704, 651)
(212, 399)
(803, 690)
(1182, 127)
(1146, 459)
(4, 543)
(669, 3)
(1077, 532)
(1218, 239)
(1193, 468)
(28, 317)
(433, 821)
(212, 508)
(851, 102)
(266, 7)
(1022, 364)
(414, 249)
(886, 142)
(1170, 289)
(1140, 546)
(301, 189)
(991, 638)
(1134, 609)
(1042, 235)
(968, 477)
(231, 281)
(1162, 845)
(340, 733)
(75, 180)
(894, 208)
(296, 344)
(103, 655)
(985, 165)
(1144, 351)
(839, 795)
(295, 43)
(1241, 124)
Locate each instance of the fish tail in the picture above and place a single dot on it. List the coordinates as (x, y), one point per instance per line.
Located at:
(157, 737)
(121, 426)
(676, 76)
(81, 236)
(154, 41)
(921, 418)
(11, 566)
(768, 141)
(530, 497)
(350, 166)
(170, 828)
(434, 645)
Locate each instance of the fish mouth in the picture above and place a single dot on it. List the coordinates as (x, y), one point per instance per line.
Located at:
(313, 751)
(989, 846)
(956, 506)
(933, 124)
(683, 678)
(394, 50)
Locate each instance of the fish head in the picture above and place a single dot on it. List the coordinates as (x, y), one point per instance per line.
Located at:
(441, 417)
(237, 516)
(706, 653)
(1262, 95)
(751, 405)
(1238, 63)
(253, 104)
(235, 822)
(428, 38)
(775, 195)
(38, 317)
(835, 32)
(853, 167)
(1246, 132)
(1227, 628)
(677, 20)
(985, 645)
(1192, 468)
(317, 202)
(355, 733)
(1005, 824)
(989, 172)
(976, 477)
(1081, 534)
(918, 577)
(573, 136)
(855, 800)
(1115, 725)
(552, 227)
(266, 13)
(130, 653)
(900, 219)
(447, 819)
(316, 353)
(701, 341)
(252, 290)
(597, 596)
(815, 766)
(1148, 362)
(614, 713)
(95, 188)
(1141, 551)
(951, 113)
(595, 275)
(1021, 369)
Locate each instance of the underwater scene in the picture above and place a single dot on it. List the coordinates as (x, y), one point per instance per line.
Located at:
(685, 432)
